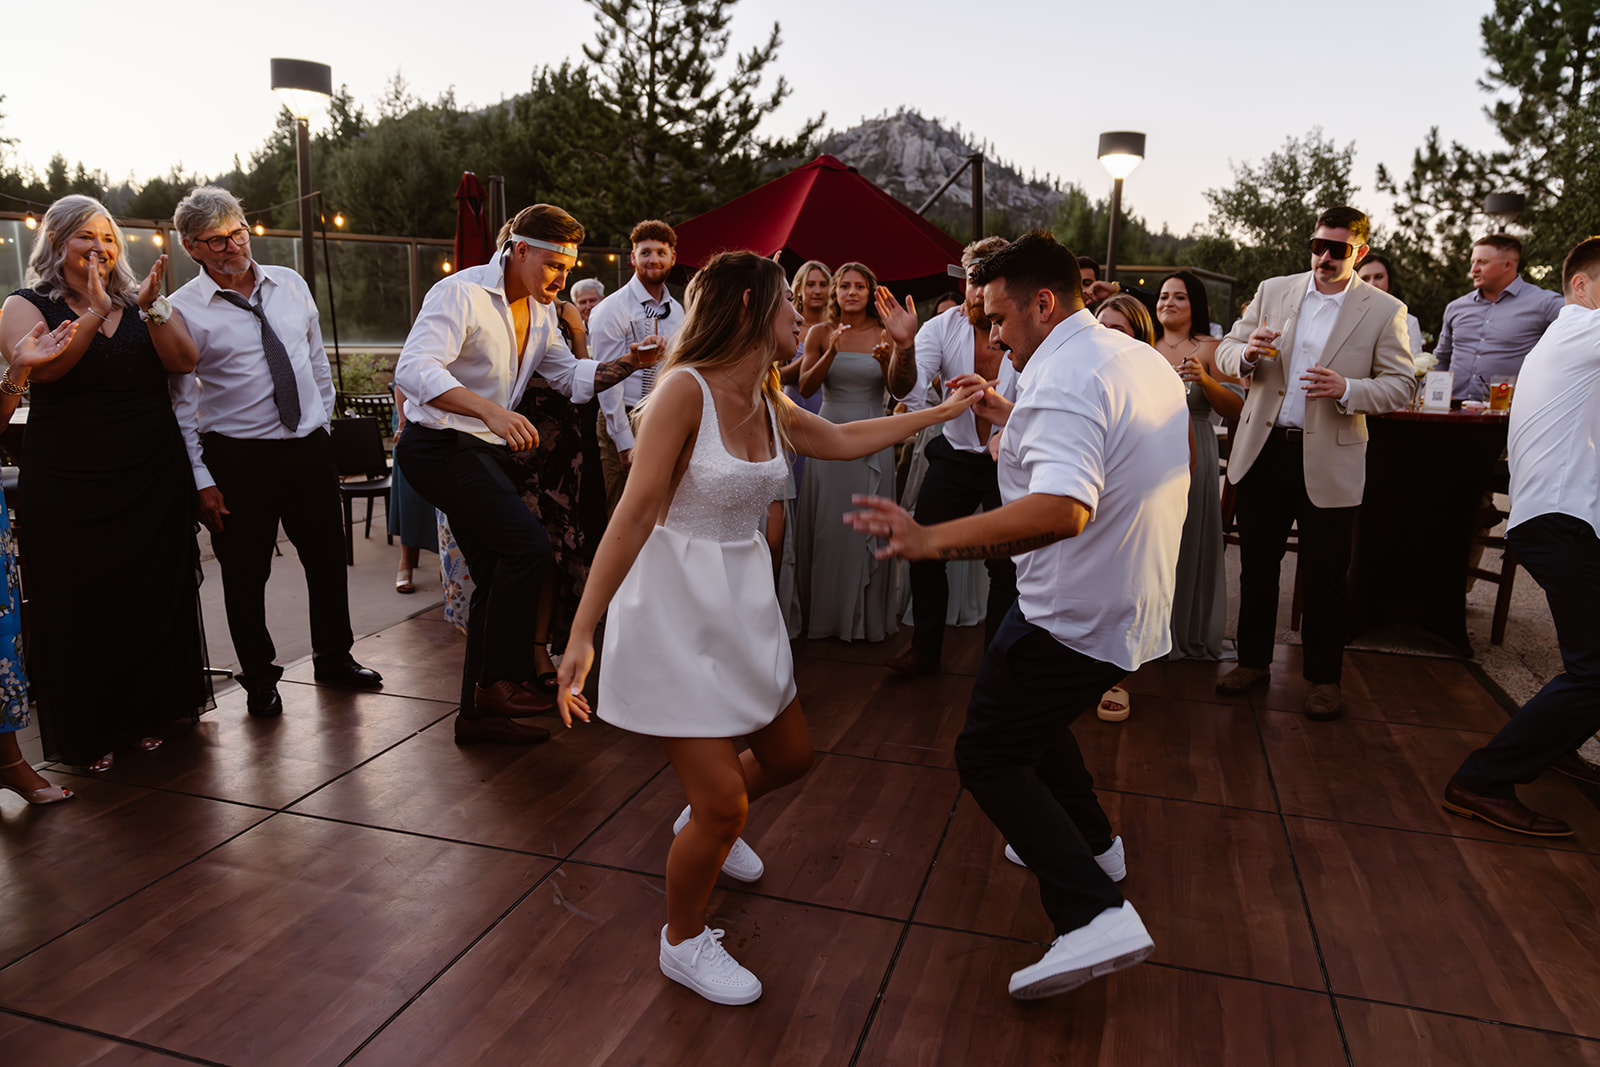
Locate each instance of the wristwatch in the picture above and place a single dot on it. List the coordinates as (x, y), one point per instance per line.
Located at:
(158, 313)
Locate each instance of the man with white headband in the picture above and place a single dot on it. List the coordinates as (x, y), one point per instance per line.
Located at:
(481, 334)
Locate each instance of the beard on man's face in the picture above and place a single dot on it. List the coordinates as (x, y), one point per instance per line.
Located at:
(976, 316)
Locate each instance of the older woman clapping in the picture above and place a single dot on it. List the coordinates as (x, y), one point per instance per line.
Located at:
(108, 544)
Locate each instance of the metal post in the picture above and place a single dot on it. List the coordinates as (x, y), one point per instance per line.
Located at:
(1116, 228)
(413, 285)
(302, 163)
(977, 196)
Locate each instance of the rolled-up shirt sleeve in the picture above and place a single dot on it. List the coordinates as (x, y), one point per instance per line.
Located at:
(608, 340)
(1062, 446)
(435, 341)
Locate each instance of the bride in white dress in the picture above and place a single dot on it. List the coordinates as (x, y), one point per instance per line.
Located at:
(697, 653)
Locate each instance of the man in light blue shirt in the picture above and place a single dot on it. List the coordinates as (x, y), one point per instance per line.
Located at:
(1487, 333)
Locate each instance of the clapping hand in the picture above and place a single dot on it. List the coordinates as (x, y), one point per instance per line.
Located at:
(41, 346)
(97, 290)
(835, 338)
(900, 323)
(150, 289)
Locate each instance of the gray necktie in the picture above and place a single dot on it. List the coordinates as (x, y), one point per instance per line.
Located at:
(653, 314)
(284, 391)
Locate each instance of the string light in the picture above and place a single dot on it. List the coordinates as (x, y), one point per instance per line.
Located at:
(132, 237)
(338, 218)
(612, 258)
(30, 222)
(445, 266)
(158, 240)
(260, 230)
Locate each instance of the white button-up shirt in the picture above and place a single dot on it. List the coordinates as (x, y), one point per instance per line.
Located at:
(230, 391)
(1554, 438)
(617, 321)
(945, 348)
(1313, 325)
(1102, 419)
(464, 337)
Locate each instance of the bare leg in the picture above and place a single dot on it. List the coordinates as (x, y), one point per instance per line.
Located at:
(543, 608)
(720, 785)
(710, 772)
(23, 776)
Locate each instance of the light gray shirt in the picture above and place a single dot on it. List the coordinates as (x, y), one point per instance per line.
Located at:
(1481, 339)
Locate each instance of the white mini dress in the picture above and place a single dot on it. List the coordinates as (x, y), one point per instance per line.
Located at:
(695, 642)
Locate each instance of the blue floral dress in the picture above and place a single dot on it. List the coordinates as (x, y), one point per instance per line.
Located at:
(13, 682)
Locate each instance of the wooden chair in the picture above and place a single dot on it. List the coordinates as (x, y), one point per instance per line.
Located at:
(358, 454)
(1504, 578)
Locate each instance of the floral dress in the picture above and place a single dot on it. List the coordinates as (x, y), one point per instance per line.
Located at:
(13, 682)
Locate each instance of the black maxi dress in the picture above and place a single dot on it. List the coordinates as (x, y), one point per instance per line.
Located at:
(110, 562)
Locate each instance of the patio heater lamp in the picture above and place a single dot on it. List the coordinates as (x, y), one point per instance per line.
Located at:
(1504, 208)
(1120, 152)
(304, 87)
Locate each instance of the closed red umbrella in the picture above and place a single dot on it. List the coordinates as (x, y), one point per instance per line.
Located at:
(824, 210)
(474, 242)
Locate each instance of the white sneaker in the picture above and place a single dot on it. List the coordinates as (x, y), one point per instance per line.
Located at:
(742, 863)
(702, 964)
(1113, 940)
(1114, 861)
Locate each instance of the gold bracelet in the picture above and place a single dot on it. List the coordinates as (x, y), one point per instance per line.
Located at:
(9, 387)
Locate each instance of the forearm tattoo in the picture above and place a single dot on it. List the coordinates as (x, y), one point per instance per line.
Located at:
(999, 548)
(610, 373)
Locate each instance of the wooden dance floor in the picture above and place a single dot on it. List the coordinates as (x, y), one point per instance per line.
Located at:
(345, 885)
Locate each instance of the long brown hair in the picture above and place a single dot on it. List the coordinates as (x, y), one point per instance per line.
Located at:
(834, 312)
(721, 327)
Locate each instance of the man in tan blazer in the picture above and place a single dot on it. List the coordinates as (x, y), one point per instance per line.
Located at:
(1322, 350)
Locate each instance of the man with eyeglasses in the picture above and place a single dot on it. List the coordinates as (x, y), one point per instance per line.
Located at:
(255, 417)
(1322, 350)
(640, 314)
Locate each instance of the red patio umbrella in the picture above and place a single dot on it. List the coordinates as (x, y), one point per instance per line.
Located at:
(825, 210)
(474, 242)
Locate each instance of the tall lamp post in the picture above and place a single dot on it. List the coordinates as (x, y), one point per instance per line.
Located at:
(1120, 152)
(304, 87)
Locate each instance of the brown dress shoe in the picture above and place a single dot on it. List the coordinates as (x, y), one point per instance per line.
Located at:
(512, 700)
(498, 732)
(912, 663)
(1322, 703)
(1242, 679)
(1575, 766)
(1508, 814)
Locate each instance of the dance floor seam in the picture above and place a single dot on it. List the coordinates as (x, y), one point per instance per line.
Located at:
(346, 885)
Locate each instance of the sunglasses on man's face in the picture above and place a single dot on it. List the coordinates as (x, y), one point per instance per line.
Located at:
(1332, 249)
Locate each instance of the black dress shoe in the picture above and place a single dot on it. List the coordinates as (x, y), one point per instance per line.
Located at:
(264, 703)
(350, 674)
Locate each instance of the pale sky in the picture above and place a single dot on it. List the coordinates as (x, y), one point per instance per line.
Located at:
(1208, 81)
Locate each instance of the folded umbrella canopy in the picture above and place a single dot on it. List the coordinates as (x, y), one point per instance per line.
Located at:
(474, 242)
(824, 210)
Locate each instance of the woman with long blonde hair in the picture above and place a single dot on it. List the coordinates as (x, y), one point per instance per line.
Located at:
(696, 650)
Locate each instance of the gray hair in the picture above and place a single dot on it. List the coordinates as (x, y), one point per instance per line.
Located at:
(47, 262)
(206, 206)
(584, 286)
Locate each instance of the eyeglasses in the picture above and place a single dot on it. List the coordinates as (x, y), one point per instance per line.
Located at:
(1333, 249)
(240, 237)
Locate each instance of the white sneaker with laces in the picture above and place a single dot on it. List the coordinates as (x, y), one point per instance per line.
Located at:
(742, 863)
(1113, 940)
(702, 964)
(1114, 861)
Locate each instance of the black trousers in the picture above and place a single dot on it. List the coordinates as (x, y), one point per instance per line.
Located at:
(1563, 555)
(1272, 498)
(957, 484)
(1018, 758)
(263, 483)
(506, 549)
